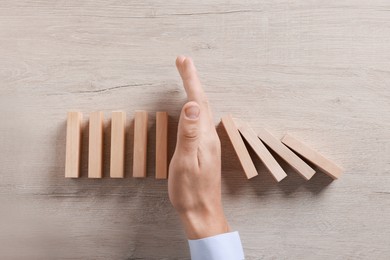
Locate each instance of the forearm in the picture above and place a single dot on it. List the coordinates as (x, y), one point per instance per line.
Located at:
(204, 224)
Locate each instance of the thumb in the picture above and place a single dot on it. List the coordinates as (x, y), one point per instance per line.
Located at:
(189, 128)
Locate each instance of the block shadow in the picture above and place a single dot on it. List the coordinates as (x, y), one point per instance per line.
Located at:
(263, 184)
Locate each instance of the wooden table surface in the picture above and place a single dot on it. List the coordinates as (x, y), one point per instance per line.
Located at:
(319, 70)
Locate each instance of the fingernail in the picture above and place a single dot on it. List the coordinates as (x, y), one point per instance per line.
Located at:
(192, 112)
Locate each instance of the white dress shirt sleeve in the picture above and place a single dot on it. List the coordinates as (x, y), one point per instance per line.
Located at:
(225, 246)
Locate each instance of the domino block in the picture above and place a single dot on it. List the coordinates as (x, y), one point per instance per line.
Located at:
(140, 144)
(239, 147)
(118, 126)
(262, 152)
(95, 154)
(161, 145)
(73, 144)
(331, 169)
(291, 158)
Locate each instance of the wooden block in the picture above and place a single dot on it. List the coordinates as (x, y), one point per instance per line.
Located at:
(291, 158)
(239, 147)
(262, 152)
(117, 161)
(140, 144)
(73, 144)
(312, 156)
(95, 150)
(161, 145)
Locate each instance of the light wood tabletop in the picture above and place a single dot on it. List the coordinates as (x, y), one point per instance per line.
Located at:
(318, 70)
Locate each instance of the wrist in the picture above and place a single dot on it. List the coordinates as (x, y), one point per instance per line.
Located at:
(203, 224)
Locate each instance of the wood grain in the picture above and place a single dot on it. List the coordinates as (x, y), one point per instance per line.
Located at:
(316, 69)
(95, 148)
(329, 167)
(239, 146)
(118, 140)
(286, 154)
(140, 144)
(161, 145)
(73, 144)
(259, 148)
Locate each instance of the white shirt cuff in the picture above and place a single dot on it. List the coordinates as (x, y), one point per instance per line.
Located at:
(225, 246)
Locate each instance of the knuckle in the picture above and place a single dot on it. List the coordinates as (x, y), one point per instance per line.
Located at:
(213, 143)
(191, 133)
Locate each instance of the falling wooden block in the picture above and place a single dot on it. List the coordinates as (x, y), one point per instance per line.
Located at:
(239, 147)
(73, 144)
(95, 157)
(118, 126)
(291, 158)
(314, 157)
(262, 152)
(140, 144)
(161, 145)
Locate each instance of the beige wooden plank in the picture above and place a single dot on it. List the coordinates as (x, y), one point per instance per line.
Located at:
(262, 152)
(140, 144)
(95, 148)
(73, 144)
(313, 156)
(118, 135)
(291, 158)
(239, 146)
(161, 145)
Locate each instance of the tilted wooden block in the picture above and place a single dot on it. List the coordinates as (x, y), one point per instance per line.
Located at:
(73, 144)
(291, 158)
(140, 144)
(161, 145)
(239, 147)
(95, 157)
(262, 152)
(312, 156)
(118, 127)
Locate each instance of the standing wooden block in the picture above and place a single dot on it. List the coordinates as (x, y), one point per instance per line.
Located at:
(291, 158)
(140, 144)
(73, 145)
(239, 147)
(118, 126)
(262, 152)
(314, 157)
(161, 145)
(95, 157)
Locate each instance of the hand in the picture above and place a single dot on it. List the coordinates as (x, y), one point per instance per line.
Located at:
(194, 183)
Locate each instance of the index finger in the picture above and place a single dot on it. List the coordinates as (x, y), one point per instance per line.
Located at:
(192, 84)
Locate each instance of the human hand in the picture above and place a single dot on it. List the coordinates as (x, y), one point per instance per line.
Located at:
(194, 183)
